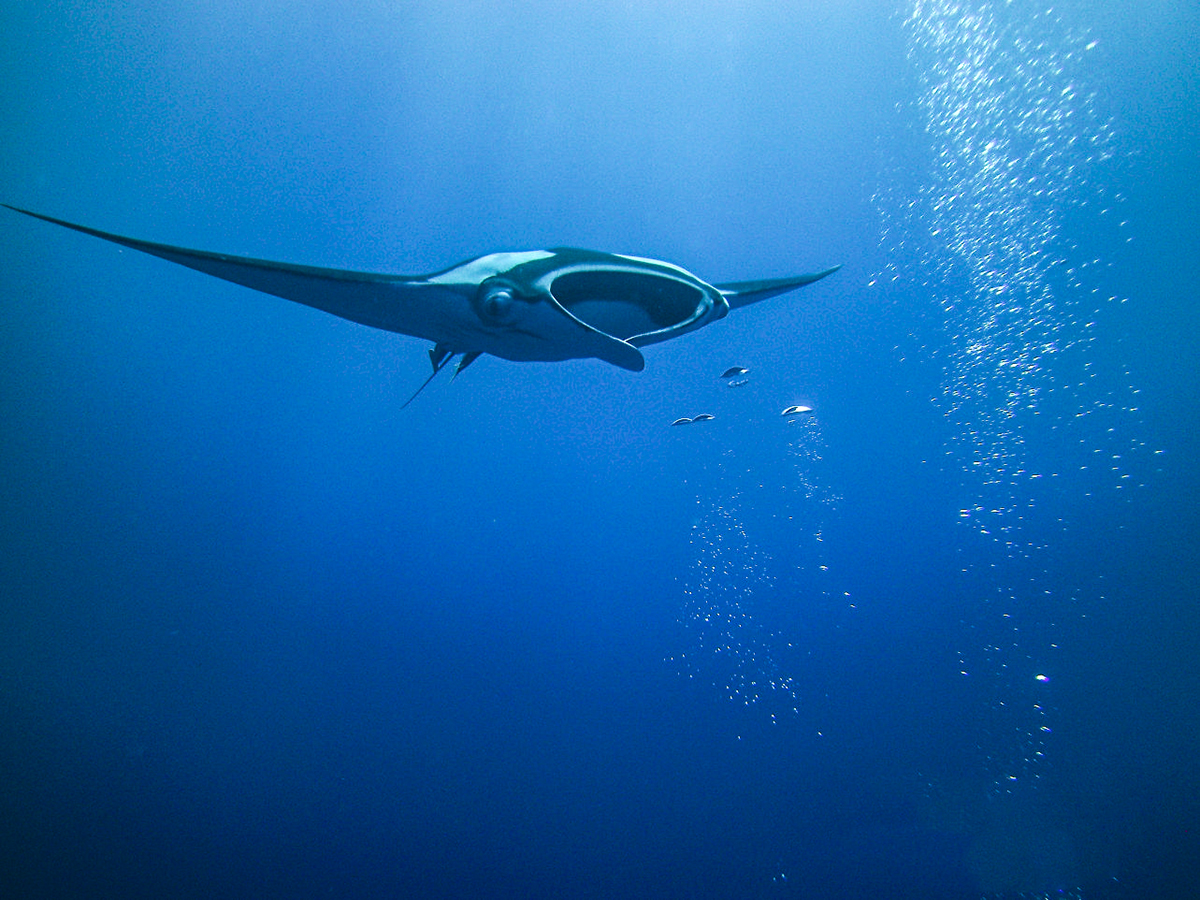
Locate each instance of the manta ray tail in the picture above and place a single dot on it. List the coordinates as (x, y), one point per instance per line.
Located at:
(439, 356)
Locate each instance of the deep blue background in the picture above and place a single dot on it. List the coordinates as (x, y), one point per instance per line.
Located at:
(262, 633)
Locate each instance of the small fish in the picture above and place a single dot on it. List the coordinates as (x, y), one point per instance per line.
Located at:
(703, 417)
(734, 370)
(796, 410)
(684, 420)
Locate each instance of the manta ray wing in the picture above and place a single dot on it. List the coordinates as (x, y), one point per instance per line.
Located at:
(742, 293)
(361, 297)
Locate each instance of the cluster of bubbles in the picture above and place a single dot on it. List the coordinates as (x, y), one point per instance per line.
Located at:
(727, 645)
(1014, 142)
(740, 602)
(806, 447)
(1014, 138)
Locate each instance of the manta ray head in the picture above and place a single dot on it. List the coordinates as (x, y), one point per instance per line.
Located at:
(523, 321)
(569, 304)
(639, 307)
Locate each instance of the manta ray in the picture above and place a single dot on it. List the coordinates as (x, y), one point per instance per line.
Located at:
(524, 306)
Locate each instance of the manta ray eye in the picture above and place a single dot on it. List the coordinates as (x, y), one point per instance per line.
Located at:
(497, 304)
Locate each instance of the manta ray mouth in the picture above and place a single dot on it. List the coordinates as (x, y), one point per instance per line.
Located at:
(627, 305)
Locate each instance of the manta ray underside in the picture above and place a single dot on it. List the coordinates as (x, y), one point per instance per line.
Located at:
(525, 306)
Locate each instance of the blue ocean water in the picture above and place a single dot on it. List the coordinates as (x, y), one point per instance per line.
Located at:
(263, 633)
